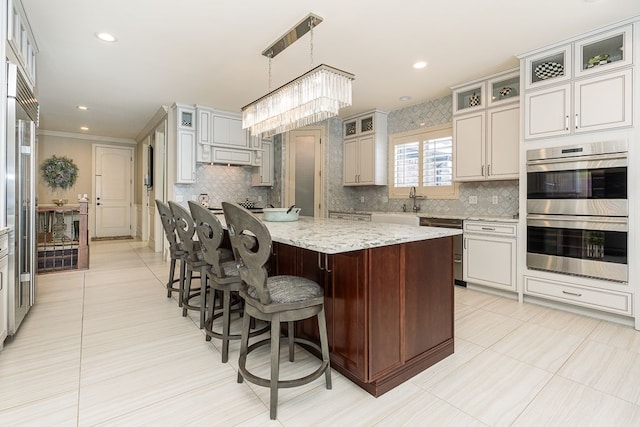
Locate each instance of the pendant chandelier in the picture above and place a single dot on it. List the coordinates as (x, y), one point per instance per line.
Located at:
(314, 96)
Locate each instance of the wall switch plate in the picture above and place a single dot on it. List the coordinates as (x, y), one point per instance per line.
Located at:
(473, 200)
(385, 199)
(361, 199)
(179, 198)
(194, 197)
(259, 198)
(494, 200)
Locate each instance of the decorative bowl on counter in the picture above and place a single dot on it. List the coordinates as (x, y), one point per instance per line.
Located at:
(281, 214)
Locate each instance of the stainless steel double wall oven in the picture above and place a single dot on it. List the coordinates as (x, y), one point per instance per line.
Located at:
(577, 210)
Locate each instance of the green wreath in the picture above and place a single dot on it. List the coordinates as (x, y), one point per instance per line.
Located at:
(59, 172)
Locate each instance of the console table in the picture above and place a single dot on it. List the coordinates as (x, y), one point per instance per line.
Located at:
(63, 237)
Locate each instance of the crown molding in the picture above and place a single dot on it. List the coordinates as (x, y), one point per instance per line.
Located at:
(86, 137)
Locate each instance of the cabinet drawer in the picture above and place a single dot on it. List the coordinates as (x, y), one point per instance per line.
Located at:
(599, 299)
(350, 217)
(492, 228)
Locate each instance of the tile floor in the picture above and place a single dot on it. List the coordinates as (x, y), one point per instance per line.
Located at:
(106, 347)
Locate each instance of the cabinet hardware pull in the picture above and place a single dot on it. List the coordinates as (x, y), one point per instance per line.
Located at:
(465, 243)
(320, 262)
(326, 263)
(566, 122)
(489, 228)
(482, 170)
(572, 293)
(488, 170)
(576, 121)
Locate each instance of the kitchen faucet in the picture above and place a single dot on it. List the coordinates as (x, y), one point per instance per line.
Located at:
(414, 196)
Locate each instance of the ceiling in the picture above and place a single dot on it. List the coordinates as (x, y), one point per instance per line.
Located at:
(209, 52)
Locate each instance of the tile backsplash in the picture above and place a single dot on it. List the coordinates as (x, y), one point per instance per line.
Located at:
(222, 183)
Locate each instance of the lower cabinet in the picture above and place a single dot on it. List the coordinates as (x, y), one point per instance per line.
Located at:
(570, 293)
(389, 309)
(489, 254)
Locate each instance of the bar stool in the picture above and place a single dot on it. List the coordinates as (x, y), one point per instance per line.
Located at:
(185, 229)
(176, 252)
(276, 299)
(222, 277)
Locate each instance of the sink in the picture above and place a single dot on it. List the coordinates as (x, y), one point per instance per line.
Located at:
(395, 218)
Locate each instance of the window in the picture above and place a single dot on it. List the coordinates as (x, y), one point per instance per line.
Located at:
(422, 159)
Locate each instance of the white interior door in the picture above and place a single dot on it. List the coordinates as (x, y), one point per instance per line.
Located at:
(113, 190)
(303, 183)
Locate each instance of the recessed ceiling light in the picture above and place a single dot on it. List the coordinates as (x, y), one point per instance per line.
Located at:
(404, 98)
(420, 64)
(106, 37)
(82, 107)
(84, 128)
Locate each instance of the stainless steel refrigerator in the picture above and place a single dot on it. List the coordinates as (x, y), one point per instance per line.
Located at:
(22, 120)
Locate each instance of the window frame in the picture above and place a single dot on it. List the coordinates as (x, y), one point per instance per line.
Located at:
(420, 135)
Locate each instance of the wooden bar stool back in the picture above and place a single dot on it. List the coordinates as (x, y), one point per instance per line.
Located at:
(222, 276)
(185, 229)
(275, 299)
(176, 253)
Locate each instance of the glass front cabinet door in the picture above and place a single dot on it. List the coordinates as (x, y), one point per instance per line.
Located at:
(603, 52)
(469, 98)
(548, 67)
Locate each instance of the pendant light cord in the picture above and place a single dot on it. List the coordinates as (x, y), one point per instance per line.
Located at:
(311, 25)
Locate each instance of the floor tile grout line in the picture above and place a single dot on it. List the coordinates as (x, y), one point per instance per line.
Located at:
(84, 290)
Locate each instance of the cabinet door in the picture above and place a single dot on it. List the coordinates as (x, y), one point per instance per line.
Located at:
(428, 300)
(503, 145)
(186, 157)
(469, 147)
(549, 67)
(490, 261)
(547, 112)
(220, 130)
(237, 136)
(366, 160)
(204, 126)
(347, 303)
(603, 102)
(263, 174)
(350, 162)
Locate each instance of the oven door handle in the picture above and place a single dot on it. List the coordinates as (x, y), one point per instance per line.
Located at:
(605, 223)
(601, 161)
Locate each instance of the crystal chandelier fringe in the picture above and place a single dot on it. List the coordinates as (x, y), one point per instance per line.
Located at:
(313, 97)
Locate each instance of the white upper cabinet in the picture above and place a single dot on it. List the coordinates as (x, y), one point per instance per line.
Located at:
(486, 136)
(221, 139)
(184, 133)
(21, 40)
(604, 51)
(365, 149)
(228, 131)
(582, 86)
(469, 98)
(548, 67)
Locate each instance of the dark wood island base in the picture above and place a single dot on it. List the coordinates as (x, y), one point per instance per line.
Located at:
(389, 309)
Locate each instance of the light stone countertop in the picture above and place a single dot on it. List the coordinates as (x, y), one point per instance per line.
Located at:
(4, 230)
(332, 236)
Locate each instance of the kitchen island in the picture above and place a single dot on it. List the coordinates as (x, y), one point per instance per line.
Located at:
(388, 294)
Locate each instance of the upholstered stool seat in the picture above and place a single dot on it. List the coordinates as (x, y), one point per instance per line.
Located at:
(274, 299)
